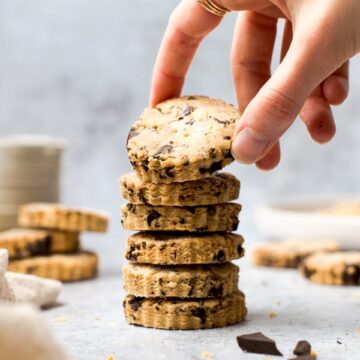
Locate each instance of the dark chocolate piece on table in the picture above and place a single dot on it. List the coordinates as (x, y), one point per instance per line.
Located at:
(303, 347)
(258, 343)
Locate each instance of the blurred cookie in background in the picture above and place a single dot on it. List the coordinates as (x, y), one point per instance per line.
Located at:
(47, 241)
(343, 207)
(290, 253)
(23, 243)
(338, 268)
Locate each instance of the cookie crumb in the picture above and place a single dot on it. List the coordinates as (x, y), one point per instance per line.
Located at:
(272, 314)
(313, 353)
(59, 319)
(207, 355)
(110, 357)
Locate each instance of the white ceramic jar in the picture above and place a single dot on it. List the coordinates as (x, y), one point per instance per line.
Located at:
(30, 171)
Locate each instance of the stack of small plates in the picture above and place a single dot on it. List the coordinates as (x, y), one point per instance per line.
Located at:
(29, 172)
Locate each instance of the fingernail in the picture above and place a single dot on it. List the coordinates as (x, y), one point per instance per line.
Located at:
(246, 148)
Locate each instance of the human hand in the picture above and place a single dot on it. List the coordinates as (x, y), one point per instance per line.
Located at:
(319, 38)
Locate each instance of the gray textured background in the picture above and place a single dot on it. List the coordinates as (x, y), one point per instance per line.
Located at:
(80, 69)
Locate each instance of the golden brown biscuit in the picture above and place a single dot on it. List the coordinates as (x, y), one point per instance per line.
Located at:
(218, 188)
(185, 314)
(182, 139)
(23, 243)
(221, 217)
(290, 253)
(338, 268)
(57, 216)
(186, 281)
(71, 267)
(178, 248)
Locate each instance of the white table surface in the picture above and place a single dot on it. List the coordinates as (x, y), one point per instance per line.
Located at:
(90, 321)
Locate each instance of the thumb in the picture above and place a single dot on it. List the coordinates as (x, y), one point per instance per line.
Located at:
(279, 101)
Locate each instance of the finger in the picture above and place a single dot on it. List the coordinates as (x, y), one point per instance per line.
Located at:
(336, 87)
(271, 159)
(252, 49)
(279, 101)
(318, 118)
(188, 25)
(316, 112)
(286, 39)
(261, 6)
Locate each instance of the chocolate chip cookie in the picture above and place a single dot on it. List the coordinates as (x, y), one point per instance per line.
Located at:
(221, 217)
(187, 281)
(70, 267)
(177, 248)
(60, 217)
(182, 139)
(185, 314)
(338, 268)
(23, 243)
(215, 189)
(290, 253)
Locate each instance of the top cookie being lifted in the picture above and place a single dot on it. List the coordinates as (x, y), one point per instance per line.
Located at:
(182, 139)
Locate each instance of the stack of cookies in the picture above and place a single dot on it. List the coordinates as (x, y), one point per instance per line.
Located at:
(180, 275)
(47, 244)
